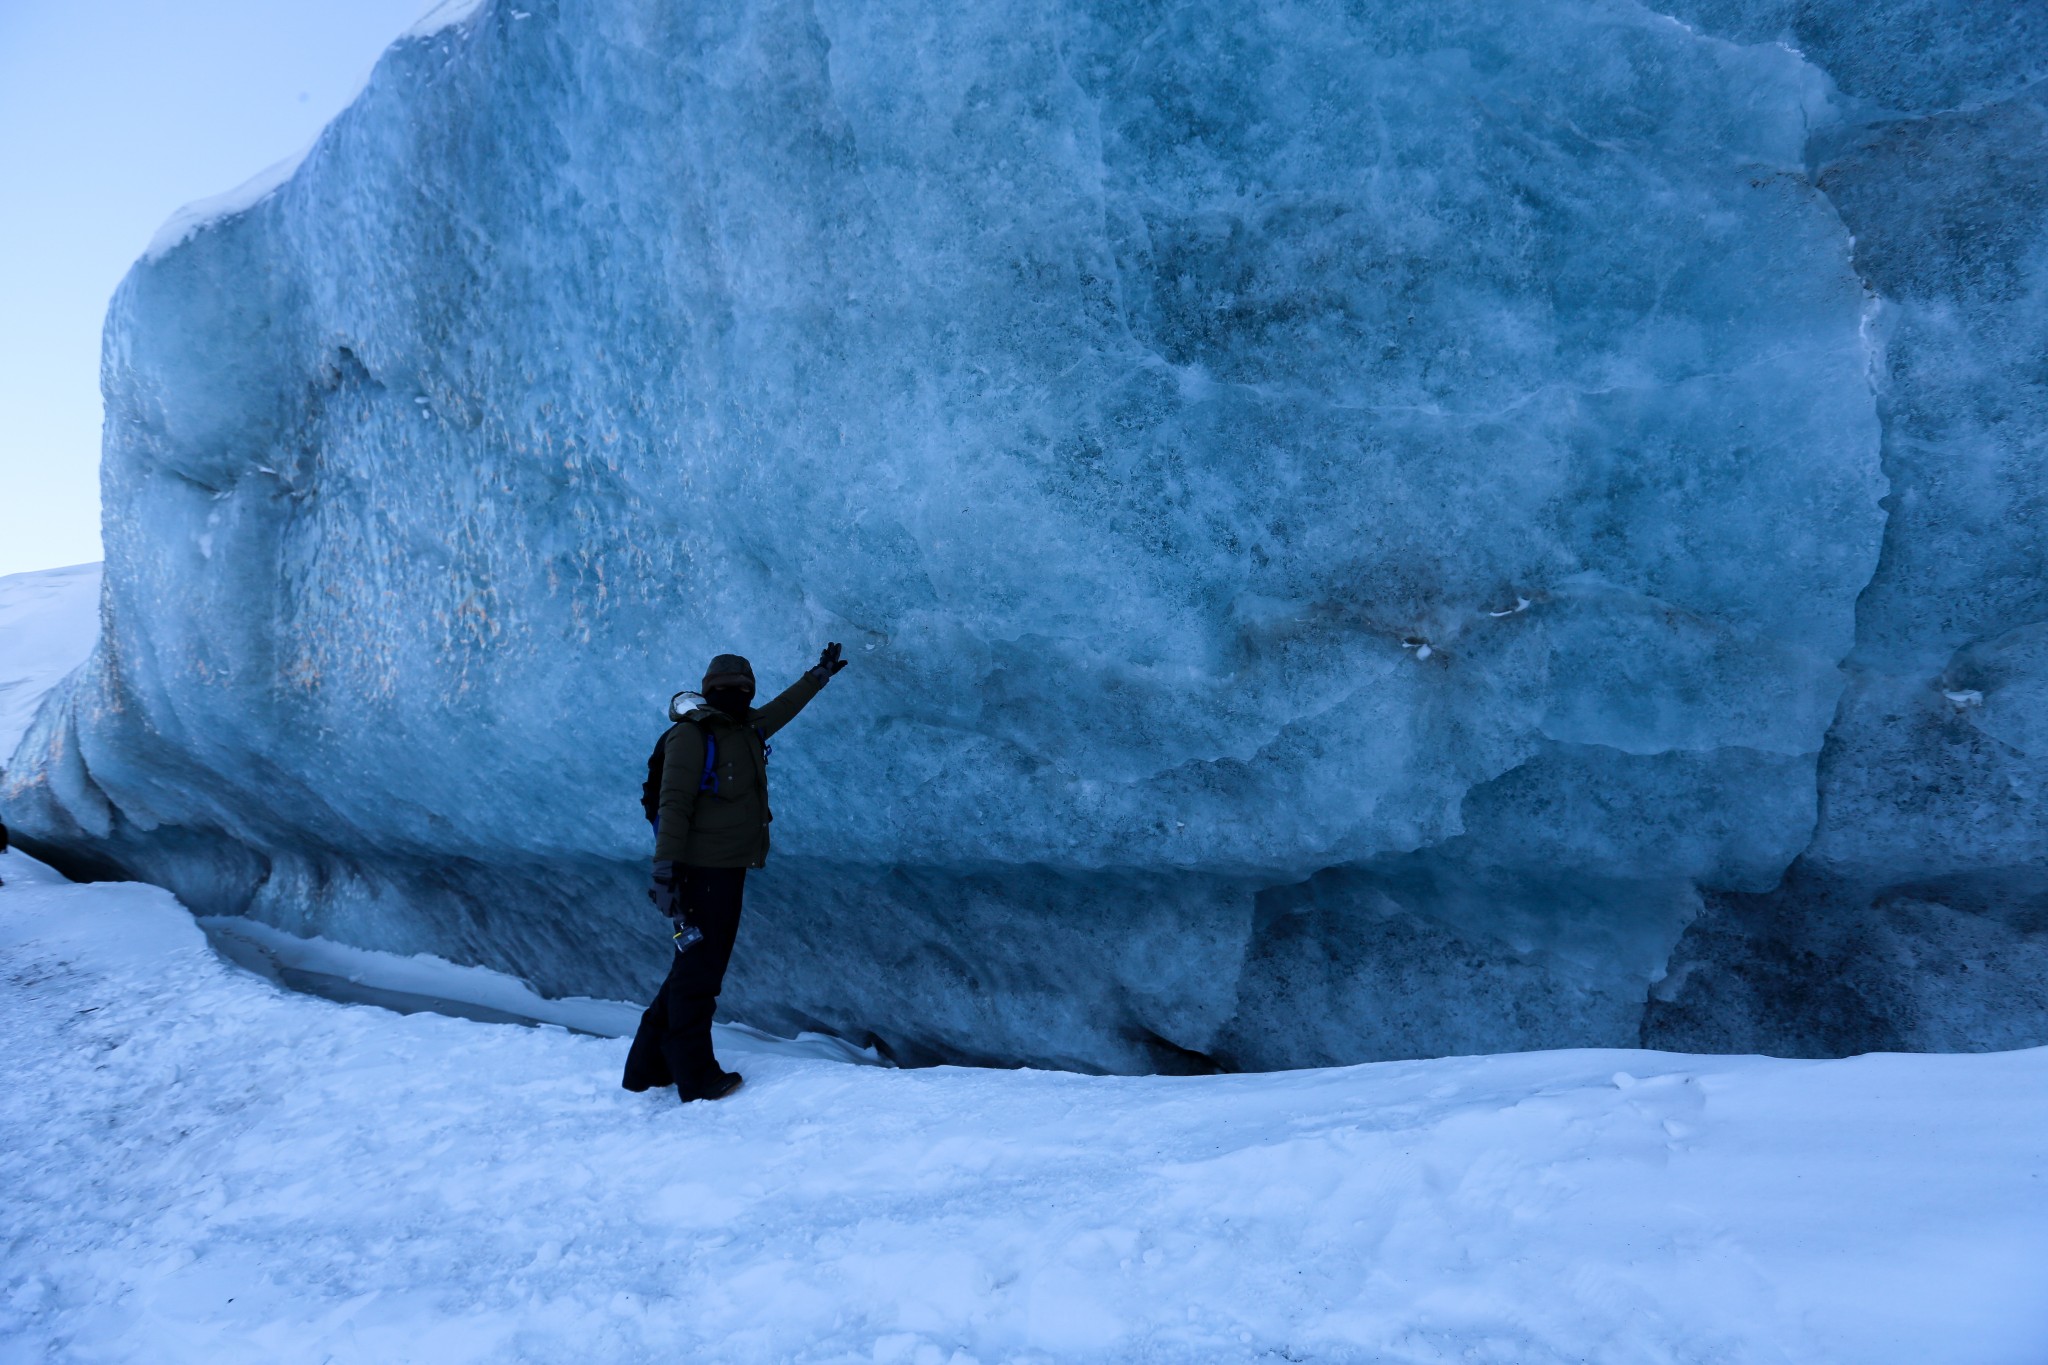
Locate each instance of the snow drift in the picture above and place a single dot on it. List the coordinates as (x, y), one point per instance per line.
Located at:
(49, 621)
(1362, 534)
(200, 1168)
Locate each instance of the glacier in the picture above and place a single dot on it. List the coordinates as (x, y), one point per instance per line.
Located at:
(1364, 531)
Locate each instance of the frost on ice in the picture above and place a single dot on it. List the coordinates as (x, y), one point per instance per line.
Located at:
(1434, 530)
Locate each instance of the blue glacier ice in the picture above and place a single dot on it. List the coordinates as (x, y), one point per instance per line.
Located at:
(1363, 530)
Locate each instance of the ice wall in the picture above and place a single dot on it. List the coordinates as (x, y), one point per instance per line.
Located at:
(1352, 524)
(1918, 917)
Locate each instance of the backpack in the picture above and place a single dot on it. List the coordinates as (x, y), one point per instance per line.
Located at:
(707, 781)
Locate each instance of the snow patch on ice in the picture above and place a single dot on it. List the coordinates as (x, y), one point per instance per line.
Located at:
(446, 15)
(204, 213)
(49, 622)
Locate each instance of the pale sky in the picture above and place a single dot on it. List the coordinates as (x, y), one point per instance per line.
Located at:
(113, 113)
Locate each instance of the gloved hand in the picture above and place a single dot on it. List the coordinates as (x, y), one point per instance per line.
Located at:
(667, 893)
(670, 894)
(829, 662)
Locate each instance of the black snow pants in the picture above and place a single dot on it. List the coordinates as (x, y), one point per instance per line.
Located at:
(673, 1046)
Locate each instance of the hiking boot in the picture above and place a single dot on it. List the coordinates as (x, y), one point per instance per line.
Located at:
(722, 1083)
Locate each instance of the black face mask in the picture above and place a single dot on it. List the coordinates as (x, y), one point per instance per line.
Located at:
(734, 701)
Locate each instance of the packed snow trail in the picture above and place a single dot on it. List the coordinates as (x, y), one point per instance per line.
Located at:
(198, 1166)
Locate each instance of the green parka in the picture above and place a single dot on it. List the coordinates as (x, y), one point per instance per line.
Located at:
(729, 829)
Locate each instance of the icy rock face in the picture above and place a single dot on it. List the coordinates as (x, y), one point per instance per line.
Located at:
(1349, 526)
(1919, 916)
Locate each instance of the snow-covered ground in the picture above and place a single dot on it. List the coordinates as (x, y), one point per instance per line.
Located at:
(48, 623)
(197, 1165)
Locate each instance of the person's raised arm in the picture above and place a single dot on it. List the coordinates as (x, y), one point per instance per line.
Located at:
(781, 711)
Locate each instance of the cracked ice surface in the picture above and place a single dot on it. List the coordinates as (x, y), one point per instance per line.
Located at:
(1348, 525)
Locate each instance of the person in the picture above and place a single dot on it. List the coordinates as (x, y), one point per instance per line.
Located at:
(3, 843)
(711, 827)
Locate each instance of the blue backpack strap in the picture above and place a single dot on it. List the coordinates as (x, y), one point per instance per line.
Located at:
(707, 781)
